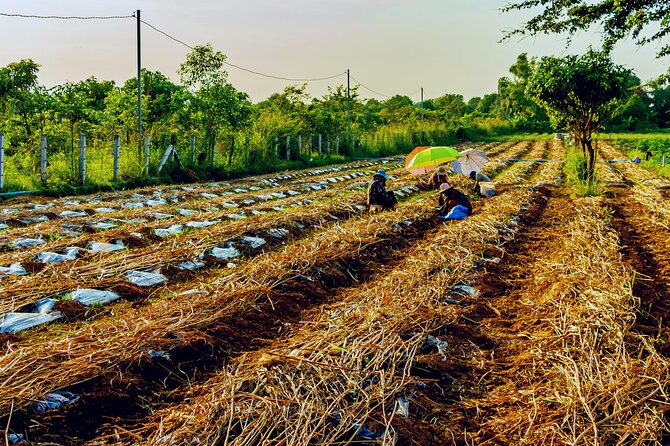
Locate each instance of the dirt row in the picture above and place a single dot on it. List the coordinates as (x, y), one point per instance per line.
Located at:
(199, 336)
(343, 299)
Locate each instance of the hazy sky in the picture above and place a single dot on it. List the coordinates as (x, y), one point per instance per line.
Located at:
(390, 46)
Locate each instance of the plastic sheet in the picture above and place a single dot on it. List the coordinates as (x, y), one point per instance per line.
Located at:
(54, 400)
(402, 407)
(102, 225)
(133, 205)
(165, 232)
(254, 242)
(464, 290)
(239, 216)
(105, 210)
(27, 242)
(202, 224)
(208, 195)
(158, 202)
(15, 269)
(191, 265)
(106, 247)
(16, 322)
(69, 254)
(279, 233)
(3, 226)
(86, 296)
(160, 216)
(145, 279)
(186, 212)
(226, 253)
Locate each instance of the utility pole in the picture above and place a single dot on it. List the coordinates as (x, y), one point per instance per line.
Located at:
(139, 81)
(422, 103)
(348, 114)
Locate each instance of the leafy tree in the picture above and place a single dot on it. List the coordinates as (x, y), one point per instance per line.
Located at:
(580, 93)
(19, 91)
(617, 20)
(219, 105)
(661, 106)
(515, 105)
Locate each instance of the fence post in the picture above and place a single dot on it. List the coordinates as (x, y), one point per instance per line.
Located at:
(337, 144)
(2, 161)
(146, 154)
(43, 159)
(320, 144)
(288, 148)
(299, 145)
(192, 148)
(116, 157)
(277, 146)
(309, 146)
(328, 145)
(663, 163)
(82, 158)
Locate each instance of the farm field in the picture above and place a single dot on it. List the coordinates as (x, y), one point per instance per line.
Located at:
(276, 310)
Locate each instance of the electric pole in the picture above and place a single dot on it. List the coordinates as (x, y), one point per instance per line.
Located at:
(422, 103)
(139, 81)
(348, 114)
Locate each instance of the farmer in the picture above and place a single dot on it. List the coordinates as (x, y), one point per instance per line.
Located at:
(377, 193)
(438, 177)
(483, 190)
(453, 204)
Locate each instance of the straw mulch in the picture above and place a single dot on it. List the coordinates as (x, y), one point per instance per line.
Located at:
(101, 346)
(583, 375)
(293, 391)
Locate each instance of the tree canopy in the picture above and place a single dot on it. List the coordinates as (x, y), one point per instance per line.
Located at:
(645, 21)
(580, 93)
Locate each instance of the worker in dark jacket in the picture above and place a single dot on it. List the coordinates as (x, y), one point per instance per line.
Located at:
(453, 204)
(377, 193)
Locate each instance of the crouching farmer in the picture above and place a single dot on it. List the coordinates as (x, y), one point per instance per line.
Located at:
(453, 204)
(378, 196)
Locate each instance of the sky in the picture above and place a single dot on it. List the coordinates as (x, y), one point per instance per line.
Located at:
(390, 46)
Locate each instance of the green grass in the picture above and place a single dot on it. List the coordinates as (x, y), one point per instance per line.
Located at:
(637, 144)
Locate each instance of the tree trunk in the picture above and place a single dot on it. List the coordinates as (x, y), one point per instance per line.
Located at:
(590, 160)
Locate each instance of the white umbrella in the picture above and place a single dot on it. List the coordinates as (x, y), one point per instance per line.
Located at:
(471, 159)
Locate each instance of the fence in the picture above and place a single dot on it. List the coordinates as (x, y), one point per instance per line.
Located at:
(108, 161)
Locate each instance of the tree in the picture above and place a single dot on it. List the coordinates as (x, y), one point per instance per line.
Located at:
(580, 93)
(219, 106)
(617, 20)
(515, 105)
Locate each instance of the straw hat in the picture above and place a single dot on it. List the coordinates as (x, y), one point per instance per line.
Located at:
(444, 186)
(441, 170)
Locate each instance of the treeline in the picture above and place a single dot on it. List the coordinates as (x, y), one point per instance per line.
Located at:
(232, 135)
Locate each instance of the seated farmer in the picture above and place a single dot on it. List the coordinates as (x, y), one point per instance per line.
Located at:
(377, 193)
(483, 190)
(453, 204)
(438, 177)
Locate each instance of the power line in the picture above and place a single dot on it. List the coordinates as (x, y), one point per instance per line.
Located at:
(370, 89)
(67, 17)
(246, 69)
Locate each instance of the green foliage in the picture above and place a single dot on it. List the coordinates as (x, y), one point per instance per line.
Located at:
(580, 93)
(576, 169)
(616, 21)
(514, 103)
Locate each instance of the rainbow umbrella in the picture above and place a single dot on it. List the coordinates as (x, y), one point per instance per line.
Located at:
(429, 159)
